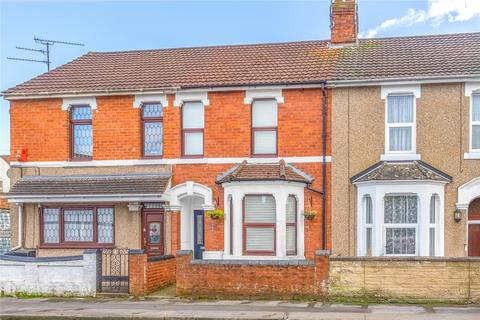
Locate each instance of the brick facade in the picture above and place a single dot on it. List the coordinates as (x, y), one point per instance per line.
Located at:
(149, 274)
(241, 279)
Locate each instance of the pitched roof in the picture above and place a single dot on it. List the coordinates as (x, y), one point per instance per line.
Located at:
(394, 171)
(140, 184)
(261, 64)
(264, 172)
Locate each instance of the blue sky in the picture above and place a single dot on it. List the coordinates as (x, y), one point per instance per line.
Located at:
(129, 25)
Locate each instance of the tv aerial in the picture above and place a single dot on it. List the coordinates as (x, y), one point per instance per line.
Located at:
(46, 51)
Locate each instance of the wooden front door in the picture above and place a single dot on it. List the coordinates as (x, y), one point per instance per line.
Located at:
(474, 228)
(474, 240)
(153, 236)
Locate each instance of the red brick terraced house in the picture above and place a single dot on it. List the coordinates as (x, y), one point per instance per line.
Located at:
(215, 158)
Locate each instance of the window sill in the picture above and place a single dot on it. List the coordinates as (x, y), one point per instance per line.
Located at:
(400, 157)
(77, 246)
(472, 155)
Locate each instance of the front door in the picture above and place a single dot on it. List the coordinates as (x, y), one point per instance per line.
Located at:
(474, 239)
(198, 231)
(153, 231)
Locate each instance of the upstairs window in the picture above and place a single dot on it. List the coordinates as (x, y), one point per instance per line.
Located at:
(192, 129)
(400, 126)
(264, 128)
(475, 123)
(152, 125)
(81, 133)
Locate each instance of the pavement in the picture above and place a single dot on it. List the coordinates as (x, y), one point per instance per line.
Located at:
(109, 308)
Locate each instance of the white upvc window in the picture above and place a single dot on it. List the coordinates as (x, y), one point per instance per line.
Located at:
(432, 225)
(368, 210)
(400, 124)
(475, 122)
(401, 224)
(192, 129)
(264, 127)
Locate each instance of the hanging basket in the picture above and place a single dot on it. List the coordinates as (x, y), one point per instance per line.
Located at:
(310, 214)
(215, 214)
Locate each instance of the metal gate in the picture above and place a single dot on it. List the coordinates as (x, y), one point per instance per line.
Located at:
(113, 271)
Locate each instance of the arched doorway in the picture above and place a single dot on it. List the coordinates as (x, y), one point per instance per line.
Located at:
(192, 199)
(474, 228)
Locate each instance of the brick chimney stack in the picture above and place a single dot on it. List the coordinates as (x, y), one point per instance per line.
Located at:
(343, 22)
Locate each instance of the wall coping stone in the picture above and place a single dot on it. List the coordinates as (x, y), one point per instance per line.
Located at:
(252, 262)
(42, 259)
(91, 251)
(325, 253)
(136, 251)
(160, 258)
(184, 252)
(394, 259)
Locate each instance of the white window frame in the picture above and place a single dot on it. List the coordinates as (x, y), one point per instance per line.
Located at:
(280, 190)
(473, 123)
(412, 125)
(433, 225)
(401, 225)
(367, 225)
(399, 90)
(377, 191)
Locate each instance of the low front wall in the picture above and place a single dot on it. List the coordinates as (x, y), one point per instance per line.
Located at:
(75, 275)
(251, 278)
(147, 274)
(452, 279)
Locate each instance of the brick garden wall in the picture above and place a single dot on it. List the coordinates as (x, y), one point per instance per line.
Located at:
(443, 279)
(149, 274)
(267, 279)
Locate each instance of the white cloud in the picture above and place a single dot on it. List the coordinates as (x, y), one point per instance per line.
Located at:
(438, 12)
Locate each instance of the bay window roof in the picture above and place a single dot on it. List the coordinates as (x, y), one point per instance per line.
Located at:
(401, 171)
(264, 172)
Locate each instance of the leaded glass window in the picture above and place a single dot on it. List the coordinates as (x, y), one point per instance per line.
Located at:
(81, 131)
(152, 118)
(51, 225)
(400, 217)
(78, 225)
(5, 226)
(105, 225)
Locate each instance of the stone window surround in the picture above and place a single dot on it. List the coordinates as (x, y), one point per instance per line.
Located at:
(377, 191)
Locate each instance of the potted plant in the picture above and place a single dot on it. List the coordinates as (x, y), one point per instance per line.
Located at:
(310, 214)
(215, 214)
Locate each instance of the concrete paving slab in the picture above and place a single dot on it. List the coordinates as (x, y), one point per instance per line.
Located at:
(462, 309)
(396, 309)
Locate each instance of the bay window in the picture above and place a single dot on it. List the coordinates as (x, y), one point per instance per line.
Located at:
(400, 218)
(291, 227)
(368, 225)
(259, 225)
(152, 126)
(77, 226)
(475, 123)
(81, 132)
(264, 127)
(192, 129)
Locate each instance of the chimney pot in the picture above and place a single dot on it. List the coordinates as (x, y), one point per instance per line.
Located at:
(343, 22)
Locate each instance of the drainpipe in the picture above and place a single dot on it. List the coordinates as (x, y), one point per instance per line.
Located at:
(324, 167)
(20, 228)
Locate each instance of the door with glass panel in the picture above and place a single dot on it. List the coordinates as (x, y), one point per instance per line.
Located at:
(153, 231)
(199, 231)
